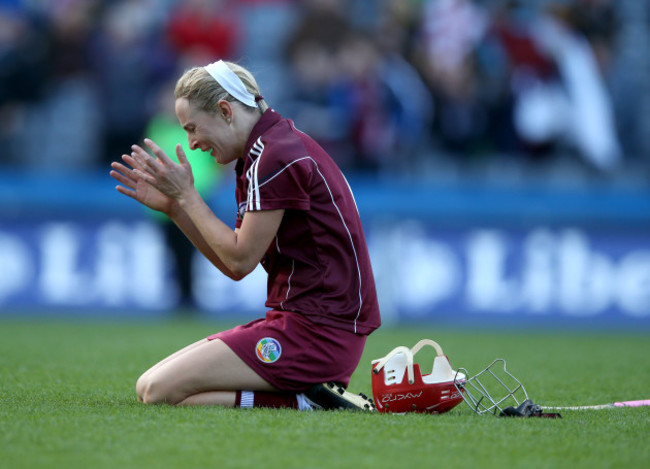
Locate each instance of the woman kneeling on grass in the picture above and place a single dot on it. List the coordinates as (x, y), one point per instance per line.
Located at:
(298, 218)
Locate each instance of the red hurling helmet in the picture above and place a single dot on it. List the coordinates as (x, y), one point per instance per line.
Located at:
(398, 385)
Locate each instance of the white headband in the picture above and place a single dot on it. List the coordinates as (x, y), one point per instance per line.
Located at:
(230, 82)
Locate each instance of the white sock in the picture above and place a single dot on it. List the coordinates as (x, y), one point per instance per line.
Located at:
(303, 403)
(247, 399)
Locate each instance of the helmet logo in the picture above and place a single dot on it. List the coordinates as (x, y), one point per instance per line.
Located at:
(399, 397)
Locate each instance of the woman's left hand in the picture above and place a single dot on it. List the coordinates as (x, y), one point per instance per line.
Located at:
(171, 178)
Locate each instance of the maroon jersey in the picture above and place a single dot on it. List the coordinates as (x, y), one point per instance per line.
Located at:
(318, 263)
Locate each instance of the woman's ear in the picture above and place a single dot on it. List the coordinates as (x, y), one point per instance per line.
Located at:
(225, 110)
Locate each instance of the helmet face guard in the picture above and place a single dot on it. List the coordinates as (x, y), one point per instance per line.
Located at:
(492, 390)
(398, 385)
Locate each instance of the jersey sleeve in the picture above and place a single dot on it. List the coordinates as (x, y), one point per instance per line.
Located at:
(278, 183)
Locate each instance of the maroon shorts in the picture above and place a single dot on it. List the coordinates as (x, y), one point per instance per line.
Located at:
(292, 353)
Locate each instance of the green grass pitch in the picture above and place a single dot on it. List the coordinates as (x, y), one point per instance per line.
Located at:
(67, 401)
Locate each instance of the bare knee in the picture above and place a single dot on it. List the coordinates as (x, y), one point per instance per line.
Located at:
(151, 390)
(140, 387)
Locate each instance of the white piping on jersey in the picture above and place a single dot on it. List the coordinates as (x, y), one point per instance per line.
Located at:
(293, 268)
(356, 259)
(286, 167)
(253, 197)
(351, 193)
(258, 147)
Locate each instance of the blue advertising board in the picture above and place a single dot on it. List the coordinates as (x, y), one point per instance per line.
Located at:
(431, 264)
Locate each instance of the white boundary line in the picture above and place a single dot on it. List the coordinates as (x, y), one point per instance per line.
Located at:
(640, 403)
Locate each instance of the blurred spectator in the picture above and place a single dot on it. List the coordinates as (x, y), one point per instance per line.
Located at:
(65, 118)
(265, 26)
(601, 23)
(310, 53)
(375, 82)
(23, 56)
(205, 30)
(363, 102)
(597, 21)
(396, 27)
(130, 61)
(574, 108)
(366, 102)
(449, 33)
(511, 52)
(23, 74)
(385, 101)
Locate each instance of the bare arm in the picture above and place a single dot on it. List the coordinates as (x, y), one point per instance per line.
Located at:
(184, 222)
(136, 188)
(235, 253)
(243, 257)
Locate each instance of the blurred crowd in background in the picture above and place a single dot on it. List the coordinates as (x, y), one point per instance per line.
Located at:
(387, 86)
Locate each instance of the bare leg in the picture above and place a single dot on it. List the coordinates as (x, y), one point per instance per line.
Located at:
(220, 398)
(198, 375)
(139, 386)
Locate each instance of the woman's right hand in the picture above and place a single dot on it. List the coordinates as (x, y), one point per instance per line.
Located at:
(137, 188)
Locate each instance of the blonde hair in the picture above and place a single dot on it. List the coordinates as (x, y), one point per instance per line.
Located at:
(204, 92)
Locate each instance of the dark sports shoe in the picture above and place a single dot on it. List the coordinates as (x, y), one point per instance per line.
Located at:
(331, 396)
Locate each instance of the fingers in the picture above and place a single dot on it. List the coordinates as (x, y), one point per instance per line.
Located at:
(124, 171)
(141, 159)
(139, 152)
(127, 176)
(122, 174)
(182, 158)
(116, 165)
(145, 176)
(127, 192)
(140, 166)
(146, 163)
(119, 177)
(161, 155)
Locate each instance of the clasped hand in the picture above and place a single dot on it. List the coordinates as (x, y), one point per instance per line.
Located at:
(157, 182)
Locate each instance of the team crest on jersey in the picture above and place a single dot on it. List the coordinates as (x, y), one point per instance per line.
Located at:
(241, 209)
(268, 350)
